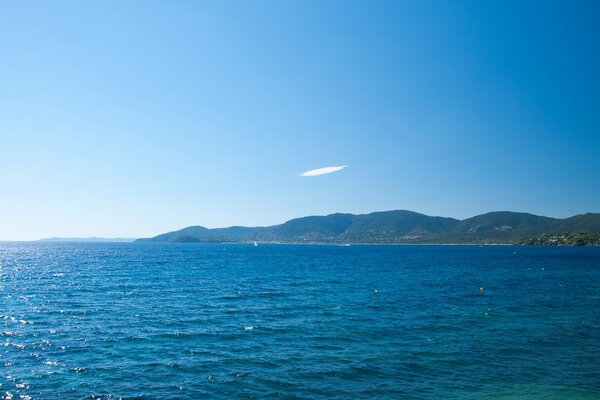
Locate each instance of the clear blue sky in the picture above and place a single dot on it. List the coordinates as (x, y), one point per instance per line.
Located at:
(132, 118)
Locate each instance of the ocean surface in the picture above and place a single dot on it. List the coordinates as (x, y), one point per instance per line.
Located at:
(234, 321)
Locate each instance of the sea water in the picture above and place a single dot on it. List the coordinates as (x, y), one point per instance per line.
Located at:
(235, 321)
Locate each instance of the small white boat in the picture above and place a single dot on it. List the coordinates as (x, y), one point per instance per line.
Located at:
(255, 244)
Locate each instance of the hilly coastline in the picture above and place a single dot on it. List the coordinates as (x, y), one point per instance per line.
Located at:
(405, 227)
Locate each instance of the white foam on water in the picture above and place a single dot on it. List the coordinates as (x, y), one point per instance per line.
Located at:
(53, 363)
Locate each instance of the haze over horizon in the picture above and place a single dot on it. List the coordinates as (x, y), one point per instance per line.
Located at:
(132, 119)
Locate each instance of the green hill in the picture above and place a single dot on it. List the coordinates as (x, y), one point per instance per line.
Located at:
(589, 223)
(398, 226)
(401, 223)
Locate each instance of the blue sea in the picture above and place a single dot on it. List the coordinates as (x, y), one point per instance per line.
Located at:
(234, 321)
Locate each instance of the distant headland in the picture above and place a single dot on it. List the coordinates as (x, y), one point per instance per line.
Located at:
(405, 227)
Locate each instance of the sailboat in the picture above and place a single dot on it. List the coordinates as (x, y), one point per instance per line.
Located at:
(255, 244)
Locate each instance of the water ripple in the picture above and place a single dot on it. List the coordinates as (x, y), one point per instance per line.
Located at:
(153, 321)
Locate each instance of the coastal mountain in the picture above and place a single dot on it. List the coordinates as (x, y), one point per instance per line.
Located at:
(398, 226)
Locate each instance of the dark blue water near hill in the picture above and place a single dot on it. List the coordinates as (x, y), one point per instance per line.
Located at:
(155, 321)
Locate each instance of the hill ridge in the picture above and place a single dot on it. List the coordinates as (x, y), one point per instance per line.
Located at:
(394, 226)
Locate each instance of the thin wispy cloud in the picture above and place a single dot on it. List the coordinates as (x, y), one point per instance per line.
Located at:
(323, 171)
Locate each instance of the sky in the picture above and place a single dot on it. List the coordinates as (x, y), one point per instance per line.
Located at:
(133, 118)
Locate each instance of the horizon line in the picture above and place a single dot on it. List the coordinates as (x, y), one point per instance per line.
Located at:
(132, 238)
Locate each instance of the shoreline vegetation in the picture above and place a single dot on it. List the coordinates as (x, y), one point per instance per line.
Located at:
(584, 239)
(405, 227)
(569, 239)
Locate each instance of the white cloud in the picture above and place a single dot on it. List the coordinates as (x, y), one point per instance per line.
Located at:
(323, 171)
